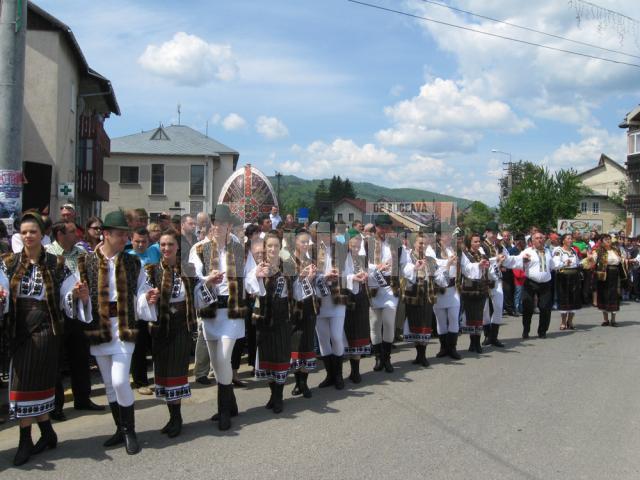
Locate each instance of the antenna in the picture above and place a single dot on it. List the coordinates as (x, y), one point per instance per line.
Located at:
(178, 114)
(206, 129)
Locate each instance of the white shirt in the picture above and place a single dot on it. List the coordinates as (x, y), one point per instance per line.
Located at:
(536, 269)
(275, 220)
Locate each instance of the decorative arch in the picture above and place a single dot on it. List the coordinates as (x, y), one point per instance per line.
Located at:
(248, 193)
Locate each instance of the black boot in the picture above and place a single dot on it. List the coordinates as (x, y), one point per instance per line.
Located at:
(423, 356)
(233, 409)
(355, 371)
(175, 421)
(304, 388)
(476, 342)
(117, 438)
(296, 390)
(328, 366)
(386, 358)
(443, 345)
(128, 425)
(487, 334)
(377, 351)
(48, 438)
(225, 405)
(526, 327)
(452, 346)
(277, 397)
(25, 447)
(337, 372)
(269, 404)
(167, 427)
(495, 329)
(417, 360)
(472, 343)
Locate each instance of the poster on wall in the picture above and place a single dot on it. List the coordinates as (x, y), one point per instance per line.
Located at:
(10, 197)
(583, 226)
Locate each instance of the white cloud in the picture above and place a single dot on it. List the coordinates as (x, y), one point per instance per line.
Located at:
(396, 90)
(190, 60)
(271, 128)
(233, 121)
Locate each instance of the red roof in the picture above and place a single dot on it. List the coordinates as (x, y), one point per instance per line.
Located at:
(359, 203)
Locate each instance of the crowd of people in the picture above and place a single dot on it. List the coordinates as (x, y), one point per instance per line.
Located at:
(116, 289)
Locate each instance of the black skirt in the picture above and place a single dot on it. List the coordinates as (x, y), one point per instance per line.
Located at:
(171, 349)
(34, 362)
(303, 354)
(607, 291)
(419, 322)
(356, 324)
(473, 308)
(274, 343)
(569, 290)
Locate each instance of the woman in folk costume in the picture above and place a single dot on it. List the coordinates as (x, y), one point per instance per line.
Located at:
(220, 267)
(303, 356)
(272, 281)
(34, 285)
(447, 307)
(567, 266)
(334, 272)
(610, 269)
(419, 296)
(172, 318)
(356, 321)
(386, 258)
(115, 284)
(475, 283)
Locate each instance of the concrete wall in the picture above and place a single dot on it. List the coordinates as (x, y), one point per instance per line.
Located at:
(608, 213)
(345, 209)
(605, 180)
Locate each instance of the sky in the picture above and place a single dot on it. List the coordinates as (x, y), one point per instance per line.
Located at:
(321, 88)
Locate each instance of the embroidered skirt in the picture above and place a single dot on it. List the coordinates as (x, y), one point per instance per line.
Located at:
(303, 353)
(418, 325)
(273, 358)
(356, 325)
(568, 290)
(34, 363)
(171, 349)
(473, 310)
(607, 291)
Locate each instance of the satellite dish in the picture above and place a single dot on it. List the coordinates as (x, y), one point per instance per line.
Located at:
(248, 193)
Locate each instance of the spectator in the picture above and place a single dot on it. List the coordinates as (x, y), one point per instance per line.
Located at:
(203, 222)
(92, 234)
(154, 233)
(289, 222)
(142, 218)
(264, 222)
(164, 220)
(5, 245)
(275, 218)
(141, 247)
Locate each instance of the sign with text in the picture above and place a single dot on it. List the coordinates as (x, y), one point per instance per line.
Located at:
(583, 226)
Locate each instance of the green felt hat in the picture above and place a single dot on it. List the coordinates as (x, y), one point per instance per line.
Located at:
(115, 221)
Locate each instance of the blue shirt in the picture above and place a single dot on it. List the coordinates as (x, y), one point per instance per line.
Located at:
(151, 255)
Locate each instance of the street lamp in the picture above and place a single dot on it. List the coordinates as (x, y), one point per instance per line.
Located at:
(493, 150)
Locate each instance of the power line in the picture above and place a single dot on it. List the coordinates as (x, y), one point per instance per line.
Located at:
(495, 35)
(559, 37)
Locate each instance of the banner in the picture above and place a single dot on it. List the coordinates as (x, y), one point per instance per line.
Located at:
(10, 197)
(583, 226)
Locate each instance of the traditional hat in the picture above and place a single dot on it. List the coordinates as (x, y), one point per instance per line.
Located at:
(33, 217)
(383, 219)
(115, 221)
(492, 226)
(223, 215)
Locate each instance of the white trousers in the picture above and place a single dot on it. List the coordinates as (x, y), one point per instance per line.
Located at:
(220, 354)
(383, 325)
(115, 375)
(447, 319)
(331, 336)
(497, 299)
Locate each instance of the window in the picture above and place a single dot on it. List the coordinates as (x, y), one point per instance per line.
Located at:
(197, 180)
(595, 207)
(153, 217)
(351, 217)
(157, 179)
(129, 175)
(195, 207)
(339, 217)
(86, 154)
(584, 207)
(634, 142)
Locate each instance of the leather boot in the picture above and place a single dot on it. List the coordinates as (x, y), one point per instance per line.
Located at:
(225, 405)
(117, 438)
(417, 360)
(128, 425)
(304, 388)
(476, 341)
(444, 337)
(277, 397)
(167, 427)
(269, 404)
(337, 372)
(487, 334)
(175, 421)
(452, 346)
(377, 350)
(423, 356)
(48, 438)
(296, 390)
(495, 329)
(25, 447)
(233, 408)
(386, 358)
(328, 366)
(355, 376)
(472, 343)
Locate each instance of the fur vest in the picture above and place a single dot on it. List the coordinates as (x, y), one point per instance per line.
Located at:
(423, 291)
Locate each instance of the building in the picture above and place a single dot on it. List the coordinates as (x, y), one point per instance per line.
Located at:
(632, 123)
(65, 106)
(349, 210)
(603, 181)
(175, 169)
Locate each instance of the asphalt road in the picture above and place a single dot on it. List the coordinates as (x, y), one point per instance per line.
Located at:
(564, 407)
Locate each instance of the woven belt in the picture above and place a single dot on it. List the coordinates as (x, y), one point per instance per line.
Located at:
(28, 304)
(223, 301)
(113, 309)
(178, 307)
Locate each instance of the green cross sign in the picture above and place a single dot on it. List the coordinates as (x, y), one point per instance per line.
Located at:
(65, 189)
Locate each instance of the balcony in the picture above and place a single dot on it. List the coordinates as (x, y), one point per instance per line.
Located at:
(91, 127)
(92, 187)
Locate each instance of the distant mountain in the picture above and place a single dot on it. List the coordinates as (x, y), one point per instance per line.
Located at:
(295, 191)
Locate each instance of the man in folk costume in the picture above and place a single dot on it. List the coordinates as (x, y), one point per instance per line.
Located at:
(116, 284)
(386, 258)
(219, 266)
(419, 296)
(335, 269)
(494, 249)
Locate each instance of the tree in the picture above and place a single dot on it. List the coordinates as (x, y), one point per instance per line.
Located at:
(322, 203)
(476, 217)
(348, 191)
(618, 197)
(540, 198)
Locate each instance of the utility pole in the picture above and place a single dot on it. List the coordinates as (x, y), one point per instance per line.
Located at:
(278, 176)
(13, 36)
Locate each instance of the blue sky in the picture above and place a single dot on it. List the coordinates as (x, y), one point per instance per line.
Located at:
(317, 88)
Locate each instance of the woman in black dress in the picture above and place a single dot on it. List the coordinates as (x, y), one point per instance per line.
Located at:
(610, 270)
